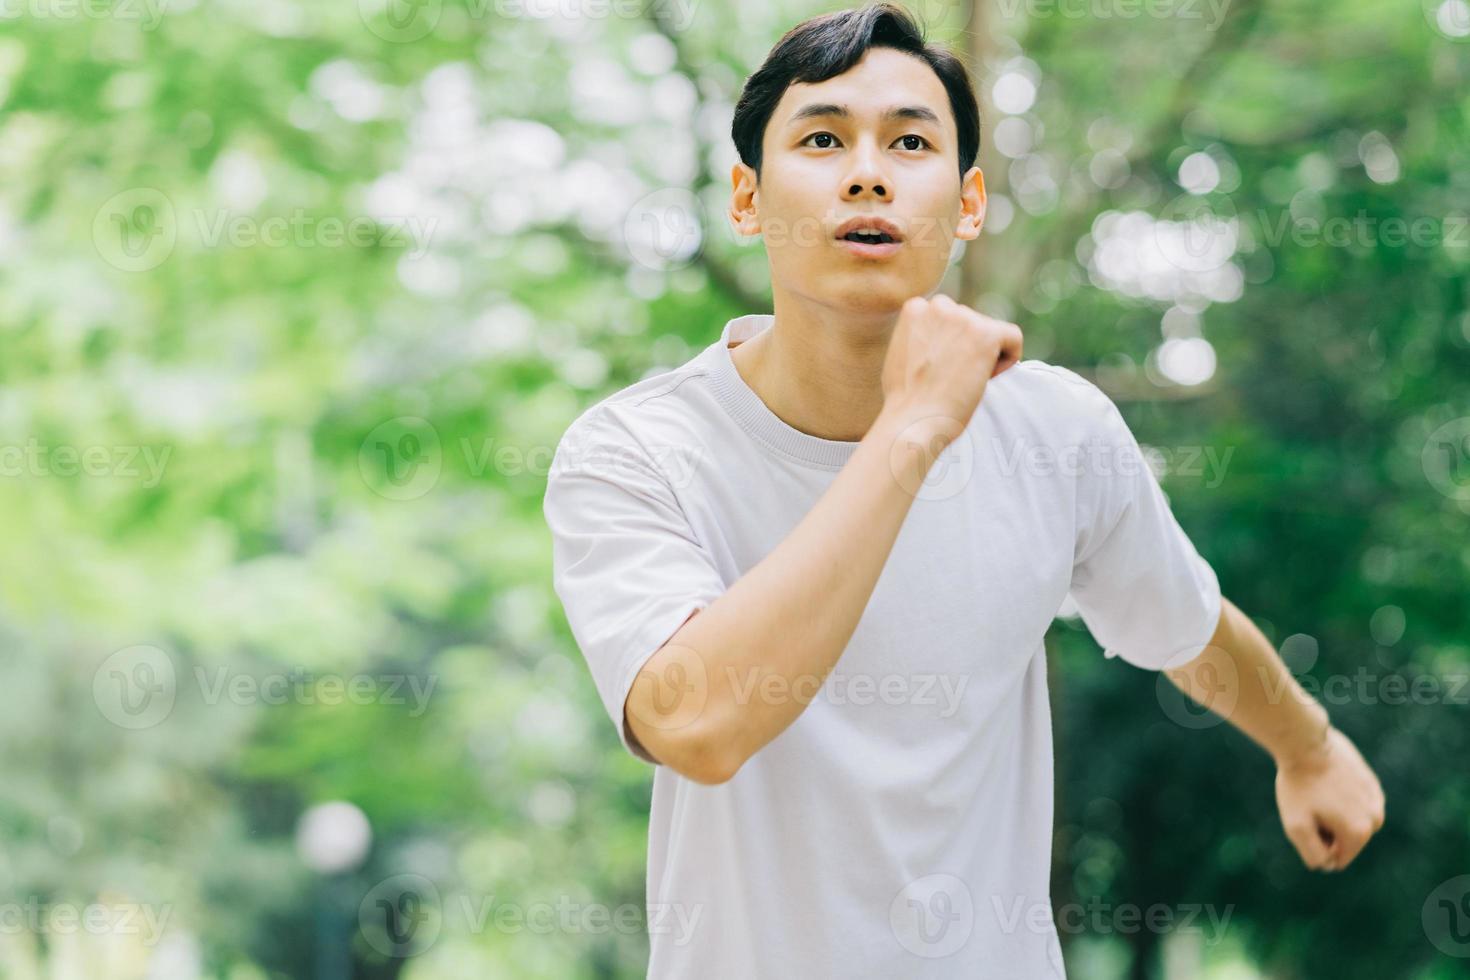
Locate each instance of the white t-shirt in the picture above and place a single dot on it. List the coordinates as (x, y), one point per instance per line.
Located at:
(901, 827)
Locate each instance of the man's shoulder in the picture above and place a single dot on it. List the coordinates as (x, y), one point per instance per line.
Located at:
(1046, 374)
(653, 408)
(1054, 391)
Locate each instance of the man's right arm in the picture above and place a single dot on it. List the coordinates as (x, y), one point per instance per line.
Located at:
(697, 704)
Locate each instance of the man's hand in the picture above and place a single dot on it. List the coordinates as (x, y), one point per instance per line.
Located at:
(1329, 799)
(940, 357)
(1330, 802)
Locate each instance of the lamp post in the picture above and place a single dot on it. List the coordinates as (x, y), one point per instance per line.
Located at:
(332, 839)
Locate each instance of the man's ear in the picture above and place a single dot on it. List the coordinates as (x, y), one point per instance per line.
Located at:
(743, 198)
(972, 205)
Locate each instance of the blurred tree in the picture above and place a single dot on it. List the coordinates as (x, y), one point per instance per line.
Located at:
(296, 299)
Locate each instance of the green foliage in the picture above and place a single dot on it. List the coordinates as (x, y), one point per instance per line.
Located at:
(296, 299)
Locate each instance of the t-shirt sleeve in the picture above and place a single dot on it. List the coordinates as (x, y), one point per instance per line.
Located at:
(626, 565)
(1143, 590)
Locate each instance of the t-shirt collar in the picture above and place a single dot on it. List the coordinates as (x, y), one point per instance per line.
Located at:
(747, 408)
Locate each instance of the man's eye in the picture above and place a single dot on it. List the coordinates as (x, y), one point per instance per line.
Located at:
(826, 141)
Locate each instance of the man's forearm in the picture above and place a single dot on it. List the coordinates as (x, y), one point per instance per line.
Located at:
(745, 667)
(1241, 677)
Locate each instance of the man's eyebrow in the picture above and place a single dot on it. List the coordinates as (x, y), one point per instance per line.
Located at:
(816, 110)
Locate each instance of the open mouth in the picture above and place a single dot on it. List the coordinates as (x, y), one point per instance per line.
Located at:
(869, 237)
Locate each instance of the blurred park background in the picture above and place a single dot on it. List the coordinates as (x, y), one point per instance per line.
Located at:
(296, 299)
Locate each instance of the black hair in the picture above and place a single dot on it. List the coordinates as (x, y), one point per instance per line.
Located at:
(828, 45)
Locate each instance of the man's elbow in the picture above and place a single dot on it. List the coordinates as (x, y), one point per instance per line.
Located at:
(678, 719)
(691, 749)
(709, 765)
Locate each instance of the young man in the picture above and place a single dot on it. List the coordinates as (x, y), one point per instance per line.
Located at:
(811, 569)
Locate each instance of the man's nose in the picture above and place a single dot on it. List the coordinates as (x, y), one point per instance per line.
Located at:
(856, 190)
(866, 177)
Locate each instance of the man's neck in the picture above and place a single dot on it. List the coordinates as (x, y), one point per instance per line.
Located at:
(819, 370)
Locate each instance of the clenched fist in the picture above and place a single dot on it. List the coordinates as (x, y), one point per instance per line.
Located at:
(940, 358)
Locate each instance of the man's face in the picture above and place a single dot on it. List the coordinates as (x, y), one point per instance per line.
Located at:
(823, 167)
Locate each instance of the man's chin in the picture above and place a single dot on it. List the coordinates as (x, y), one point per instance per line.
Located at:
(887, 301)
(872, 292)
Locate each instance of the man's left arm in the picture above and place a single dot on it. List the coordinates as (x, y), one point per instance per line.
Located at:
(1330, 800)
